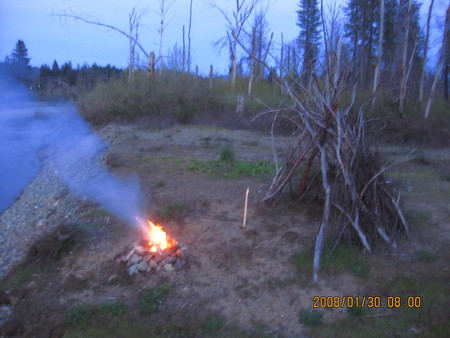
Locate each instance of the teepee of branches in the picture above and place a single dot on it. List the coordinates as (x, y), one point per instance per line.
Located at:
(329, 150)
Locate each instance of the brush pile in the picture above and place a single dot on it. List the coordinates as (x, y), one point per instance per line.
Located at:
(331, 158)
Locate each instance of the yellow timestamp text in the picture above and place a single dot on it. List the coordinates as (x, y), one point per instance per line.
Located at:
(366, 301)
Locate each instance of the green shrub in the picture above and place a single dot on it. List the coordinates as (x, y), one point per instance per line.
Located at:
(227, 153)
(312, 318)
(160, 184)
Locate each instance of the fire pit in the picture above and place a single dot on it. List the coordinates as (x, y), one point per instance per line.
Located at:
(158, 252)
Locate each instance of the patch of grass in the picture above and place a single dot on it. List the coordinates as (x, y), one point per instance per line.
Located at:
(178, 160)
(425, 255)
(242, 169)
(253, 143)
(342, 258)
(359, 268)
(227, 153)
(213, 324)
(236, 169)
(420, 218)
(23, 273)
(160, 184)
(356, 312)
(112, 309)
(311, 318)
(149, 300)
(79, 315)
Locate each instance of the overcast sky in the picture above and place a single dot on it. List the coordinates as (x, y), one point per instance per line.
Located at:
(48, 38)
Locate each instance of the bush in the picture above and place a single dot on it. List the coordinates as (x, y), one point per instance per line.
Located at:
(227, 153)
(173, 97)
(312, 318)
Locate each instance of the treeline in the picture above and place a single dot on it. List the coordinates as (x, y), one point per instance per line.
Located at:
(67, 82)
(55, 83)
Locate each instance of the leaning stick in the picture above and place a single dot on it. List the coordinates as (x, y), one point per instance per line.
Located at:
(245, 208)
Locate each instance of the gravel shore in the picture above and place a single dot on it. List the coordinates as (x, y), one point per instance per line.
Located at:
(44, 204)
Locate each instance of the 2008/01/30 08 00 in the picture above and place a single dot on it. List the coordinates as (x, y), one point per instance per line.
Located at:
(366, 301)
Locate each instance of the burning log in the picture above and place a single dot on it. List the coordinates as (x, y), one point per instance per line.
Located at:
(159, 252)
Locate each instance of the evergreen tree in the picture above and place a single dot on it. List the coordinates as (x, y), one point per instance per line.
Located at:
(361, 28)
(308, 19)
(55, 69)
(19, 55)
(18, 64)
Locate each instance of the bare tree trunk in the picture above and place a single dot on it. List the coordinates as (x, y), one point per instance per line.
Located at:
(189, 38)
(425, 52)
(164, 6)
(211, 73)
(441, 61)
(183, 62)
(281, 57)
(402, 93)
(151, 65)
(376, 79)
(252, 63)
(160, 58)
(233, 61)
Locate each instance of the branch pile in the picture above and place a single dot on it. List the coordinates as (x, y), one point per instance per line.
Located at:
(329, 149)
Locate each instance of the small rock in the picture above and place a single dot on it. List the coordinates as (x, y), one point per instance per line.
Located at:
(147, 258)
(134, 260)
(153, 264)
(132, 270)
(414, 330)
(179, 265)
(158, 258)
(169, 267)
(139, 249)
(168, 260)
(142, 266)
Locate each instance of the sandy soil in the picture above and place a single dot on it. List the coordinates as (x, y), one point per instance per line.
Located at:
(245, 275)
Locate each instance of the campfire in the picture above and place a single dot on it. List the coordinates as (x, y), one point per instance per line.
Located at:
(156, 252)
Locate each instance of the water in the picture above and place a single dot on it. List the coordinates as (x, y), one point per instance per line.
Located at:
(31, 133)
(23, 131)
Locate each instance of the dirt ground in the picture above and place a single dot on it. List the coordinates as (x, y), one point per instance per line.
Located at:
(244, 275)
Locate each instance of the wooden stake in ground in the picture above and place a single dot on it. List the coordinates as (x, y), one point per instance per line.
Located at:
(245, 208)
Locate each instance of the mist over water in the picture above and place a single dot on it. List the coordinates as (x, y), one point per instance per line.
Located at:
(31, 134)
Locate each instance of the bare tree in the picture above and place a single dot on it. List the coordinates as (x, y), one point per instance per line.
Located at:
(403, 71)
(130, 37)
(164, 7)
(444, 47)
(134, 20)
(189, 38)
(425, 52)
(236, 21)
(259, 45)
(376, 78)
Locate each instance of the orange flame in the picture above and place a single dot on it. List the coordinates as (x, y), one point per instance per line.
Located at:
(158, 238)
